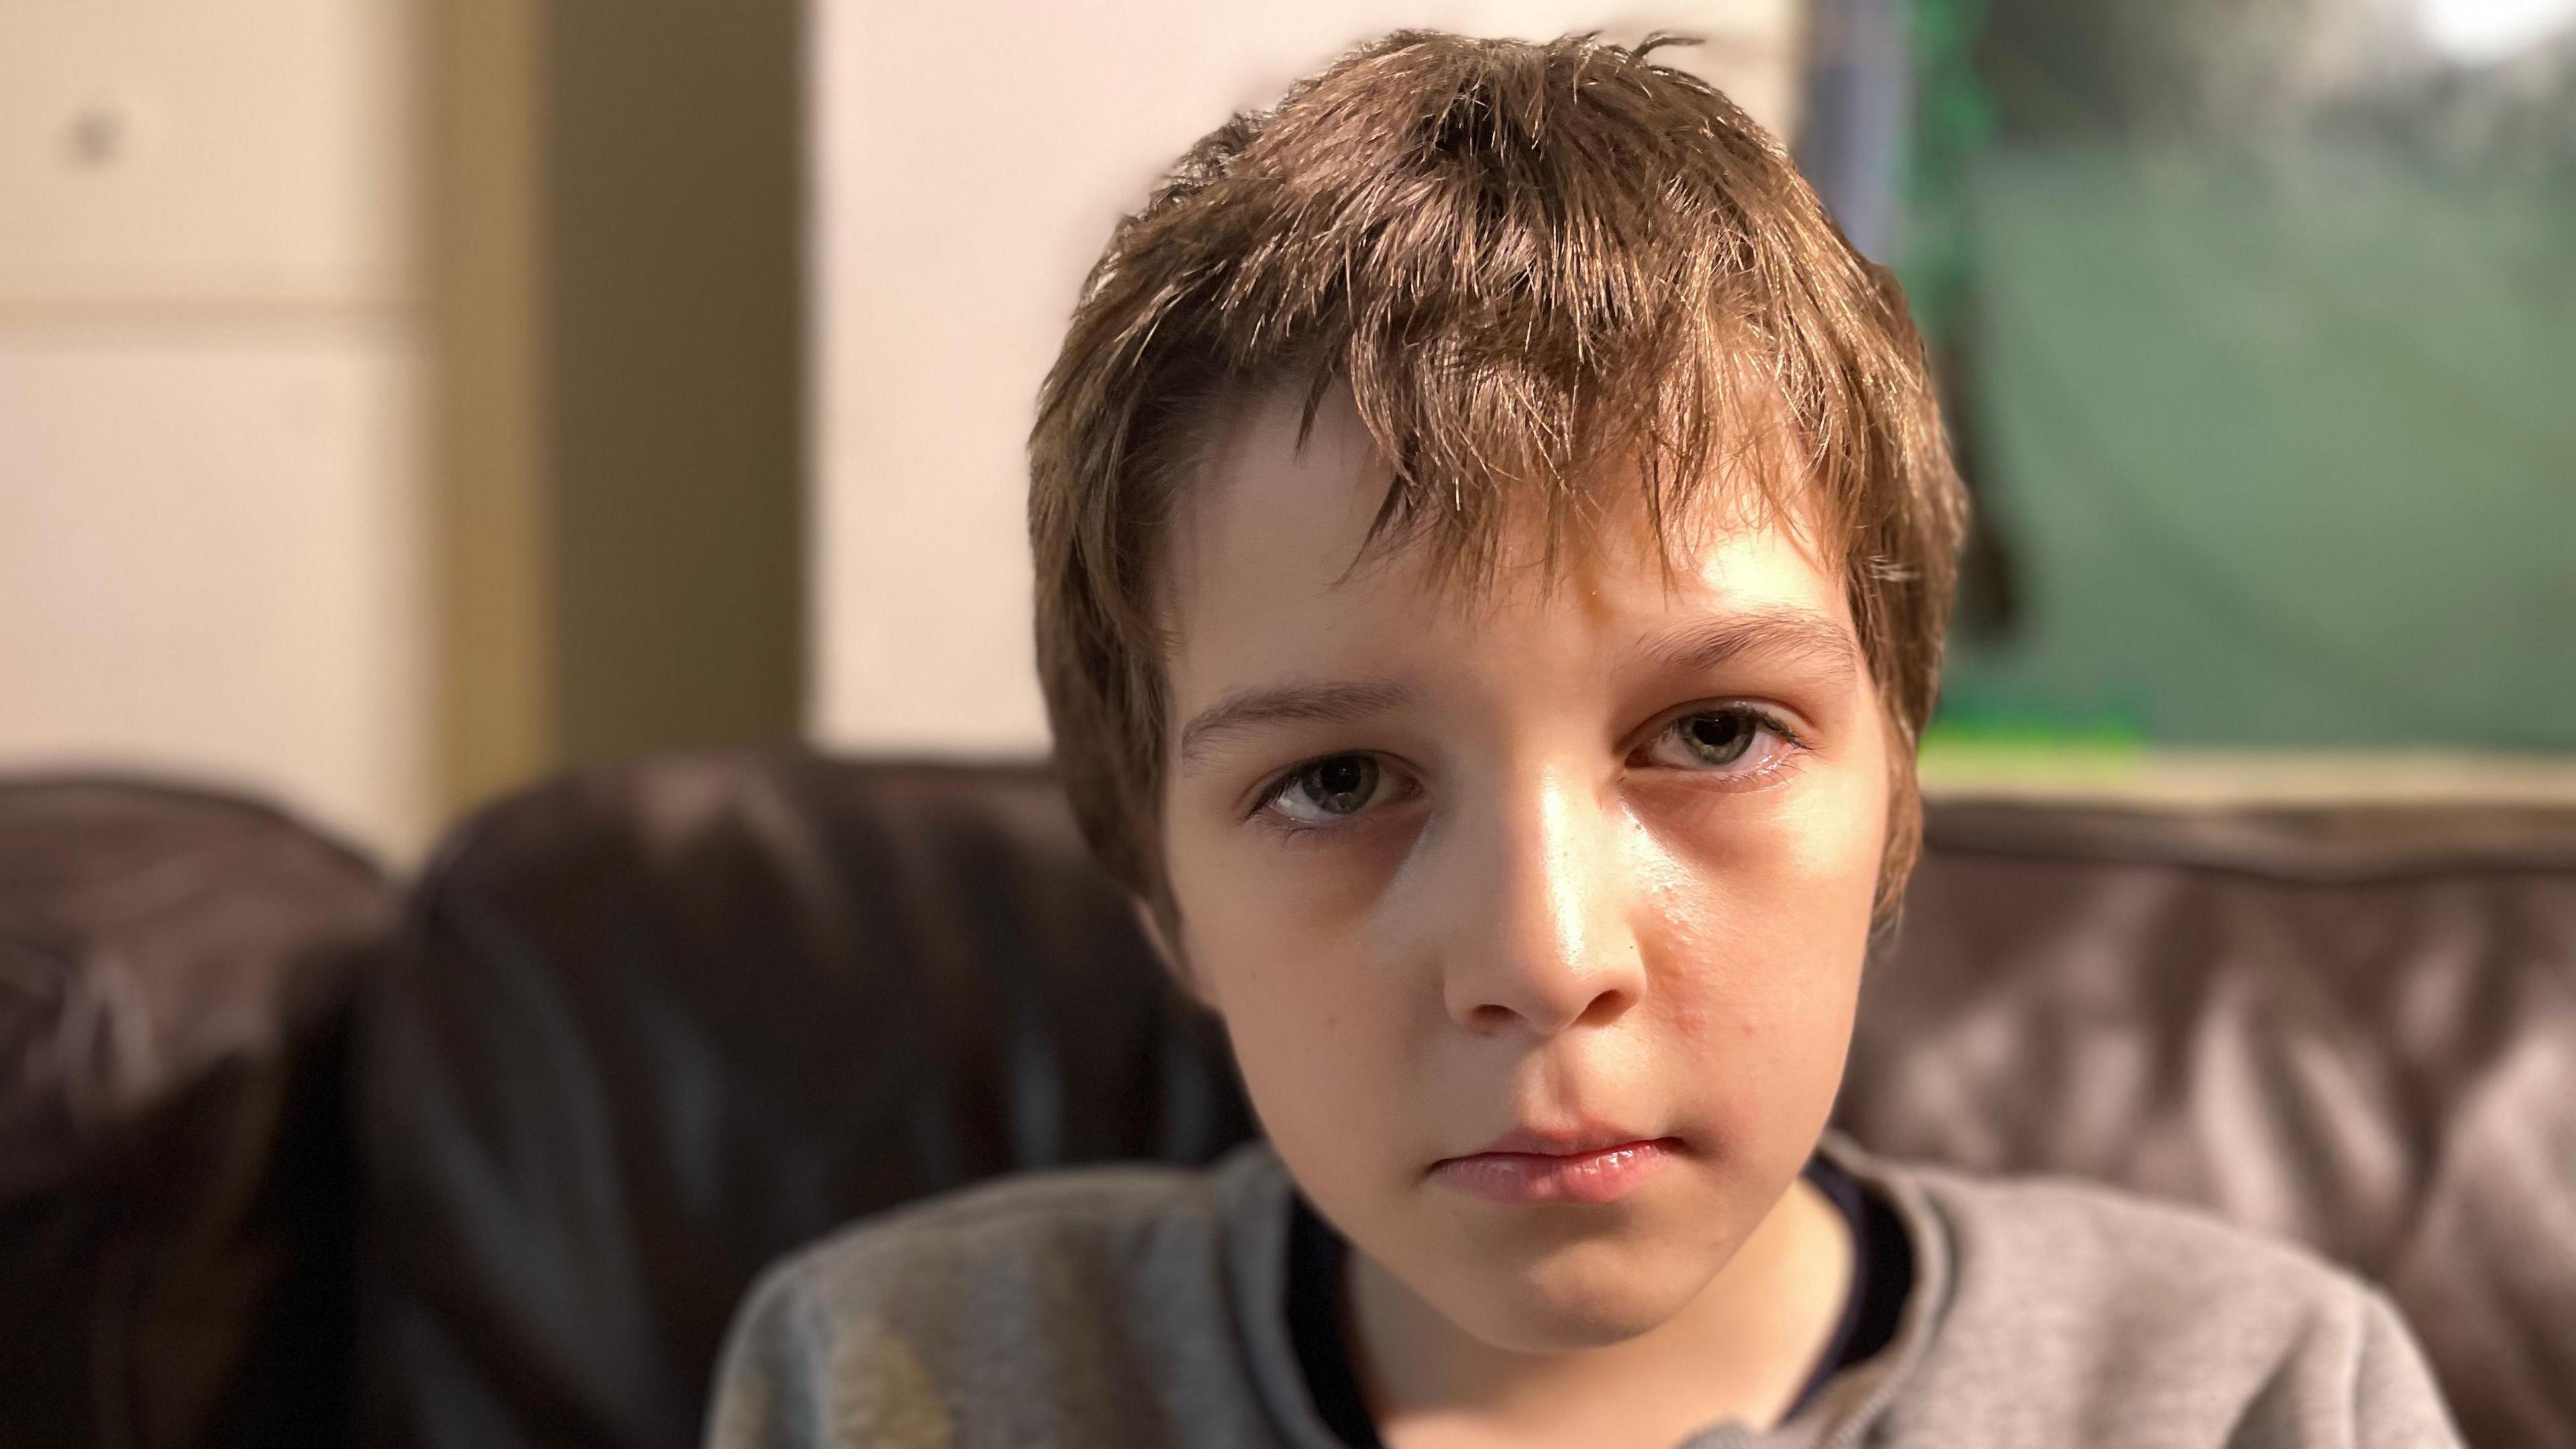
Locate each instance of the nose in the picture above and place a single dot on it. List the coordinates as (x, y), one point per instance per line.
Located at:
(1543, 940)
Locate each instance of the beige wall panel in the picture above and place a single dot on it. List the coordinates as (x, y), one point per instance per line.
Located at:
(204, 153)
(969, 161)
(209, 565)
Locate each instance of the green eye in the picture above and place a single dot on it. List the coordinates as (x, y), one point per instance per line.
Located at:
(1719, 739)
(1732, 741)
(1329, 789)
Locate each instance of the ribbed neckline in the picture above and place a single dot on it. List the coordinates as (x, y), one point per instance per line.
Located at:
(1257, 1201)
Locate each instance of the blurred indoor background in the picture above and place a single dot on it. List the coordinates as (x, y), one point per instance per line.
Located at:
(401, 401)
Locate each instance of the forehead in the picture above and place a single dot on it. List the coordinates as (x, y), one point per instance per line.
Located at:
(1271, 551)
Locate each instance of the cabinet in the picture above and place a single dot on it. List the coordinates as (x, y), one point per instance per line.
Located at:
(210, 524)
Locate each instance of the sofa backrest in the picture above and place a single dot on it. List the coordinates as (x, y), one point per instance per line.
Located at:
(2355, 1027)
(650, 1028)
(646, 1029)
(175, 1183)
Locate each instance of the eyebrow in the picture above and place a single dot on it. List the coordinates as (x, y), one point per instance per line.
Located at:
(1781, 632)
(1250, 709)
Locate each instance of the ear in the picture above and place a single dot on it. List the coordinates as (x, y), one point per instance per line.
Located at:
(1175, 963)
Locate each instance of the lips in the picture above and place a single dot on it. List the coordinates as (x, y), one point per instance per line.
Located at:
(1531, 1166)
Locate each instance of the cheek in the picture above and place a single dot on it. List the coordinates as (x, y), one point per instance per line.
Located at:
(1749, 979)
(1268, 931)
(1315, 1022)
(1773, 893)
(1755, 927)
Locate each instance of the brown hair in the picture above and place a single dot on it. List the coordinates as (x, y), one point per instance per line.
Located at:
(1537, 267)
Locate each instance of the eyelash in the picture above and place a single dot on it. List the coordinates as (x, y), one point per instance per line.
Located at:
(1792, 742)
(1292, 829)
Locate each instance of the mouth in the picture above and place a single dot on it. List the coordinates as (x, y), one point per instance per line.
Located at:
(1586, 1166)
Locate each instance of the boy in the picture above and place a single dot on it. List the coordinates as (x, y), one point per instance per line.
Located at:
(1493, 544)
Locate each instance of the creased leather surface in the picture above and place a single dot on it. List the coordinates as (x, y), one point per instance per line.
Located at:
(176, 1195)
(2352, 1027)
(649, 1028)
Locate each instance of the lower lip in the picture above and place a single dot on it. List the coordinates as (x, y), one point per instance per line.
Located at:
(1605, 1174)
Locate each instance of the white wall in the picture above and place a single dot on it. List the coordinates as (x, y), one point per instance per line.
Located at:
(970, 159)
(210, 530)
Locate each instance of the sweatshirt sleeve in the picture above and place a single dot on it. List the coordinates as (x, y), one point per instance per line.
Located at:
(769, 1384)
(812, 1362)
(2395, 1400)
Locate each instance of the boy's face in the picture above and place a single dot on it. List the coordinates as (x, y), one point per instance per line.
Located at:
(1536, 923)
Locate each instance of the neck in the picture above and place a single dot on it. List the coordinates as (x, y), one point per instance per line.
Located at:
(1740, 1350)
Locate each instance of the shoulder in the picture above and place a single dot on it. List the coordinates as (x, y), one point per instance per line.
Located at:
(1046, 1217)
(2072, 1308)
(2057, 1241)
(1065, 1298)
(1043, 1248)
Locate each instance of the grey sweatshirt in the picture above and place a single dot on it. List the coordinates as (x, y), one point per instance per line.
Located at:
(1138, 1306)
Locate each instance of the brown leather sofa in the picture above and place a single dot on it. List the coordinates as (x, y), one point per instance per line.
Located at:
(639, 1031)
(177, 1175)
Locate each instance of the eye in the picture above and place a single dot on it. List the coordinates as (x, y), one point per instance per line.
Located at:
(1735, 740)
(1335, 787)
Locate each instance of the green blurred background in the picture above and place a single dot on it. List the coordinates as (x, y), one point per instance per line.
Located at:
(2259, 320)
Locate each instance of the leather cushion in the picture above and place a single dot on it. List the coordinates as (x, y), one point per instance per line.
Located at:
(176, 1193)
(650, 1028)
(2354, 1026)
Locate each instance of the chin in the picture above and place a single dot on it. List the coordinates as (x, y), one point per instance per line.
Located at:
(1580, 1295)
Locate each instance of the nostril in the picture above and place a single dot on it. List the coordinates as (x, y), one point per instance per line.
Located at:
(1604, 1008)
